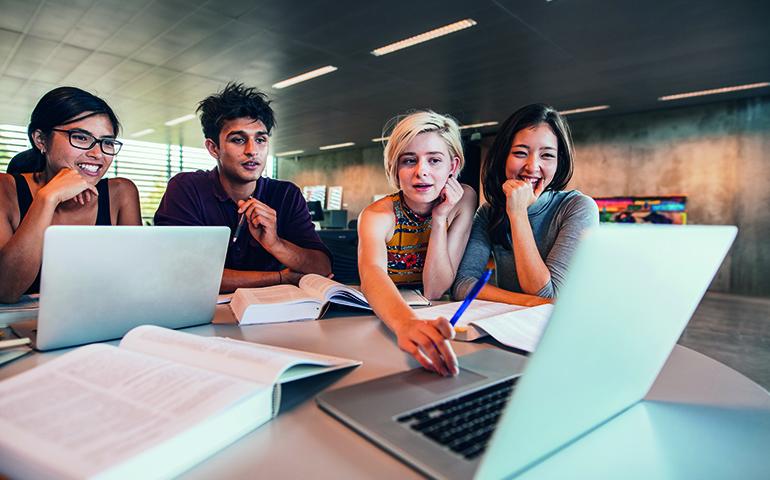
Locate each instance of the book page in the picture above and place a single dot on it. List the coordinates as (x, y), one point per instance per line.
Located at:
(249, 361)
(272, 295)
(99, 405)
(325, 289)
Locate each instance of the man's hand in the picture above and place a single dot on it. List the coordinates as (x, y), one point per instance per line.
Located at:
(428, 342)
(288, 275)
(261, 220)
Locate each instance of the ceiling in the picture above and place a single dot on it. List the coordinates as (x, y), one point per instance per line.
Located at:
(153, 60)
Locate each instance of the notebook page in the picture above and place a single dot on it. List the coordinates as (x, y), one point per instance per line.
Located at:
(520, 329)
(477, 310)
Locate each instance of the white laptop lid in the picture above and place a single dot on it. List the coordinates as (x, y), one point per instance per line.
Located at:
(99, 282)
(629, 293)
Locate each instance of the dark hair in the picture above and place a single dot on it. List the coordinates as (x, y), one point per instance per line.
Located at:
(493, 166)
(235, 101)
(61, 106)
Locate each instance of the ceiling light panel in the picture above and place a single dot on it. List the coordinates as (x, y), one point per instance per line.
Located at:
(424, 37)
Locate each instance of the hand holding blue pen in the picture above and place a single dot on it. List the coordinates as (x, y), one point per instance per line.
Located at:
(471, 296)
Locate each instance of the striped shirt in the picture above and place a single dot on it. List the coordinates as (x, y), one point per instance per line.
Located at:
(409, 245)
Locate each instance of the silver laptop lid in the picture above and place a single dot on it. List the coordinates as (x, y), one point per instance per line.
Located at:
(98, 282)
(629, 293)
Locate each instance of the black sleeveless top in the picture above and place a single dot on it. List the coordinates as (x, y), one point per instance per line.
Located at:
(24, 197)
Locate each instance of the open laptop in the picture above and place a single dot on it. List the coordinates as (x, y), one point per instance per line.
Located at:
(99, 282)
(629, 293)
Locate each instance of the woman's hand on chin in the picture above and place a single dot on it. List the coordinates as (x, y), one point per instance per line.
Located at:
(448, 199)
(69, 185)
(518, 196)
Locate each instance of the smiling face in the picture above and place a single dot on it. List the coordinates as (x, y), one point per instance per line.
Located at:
(423, 169)
(92, 164)
(533, 157)
(242, 150)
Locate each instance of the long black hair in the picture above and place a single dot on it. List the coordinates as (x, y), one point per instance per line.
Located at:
(58, 107)
(493, 166)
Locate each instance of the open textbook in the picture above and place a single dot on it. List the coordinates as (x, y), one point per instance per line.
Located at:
(513, 325)
(151, 408)
(309, 301)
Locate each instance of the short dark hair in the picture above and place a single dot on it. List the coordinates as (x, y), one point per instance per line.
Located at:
(493, 166)
(234, 101)
(61, 106)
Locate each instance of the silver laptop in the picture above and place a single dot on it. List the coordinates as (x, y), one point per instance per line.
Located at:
(97, 283)
(629, 293)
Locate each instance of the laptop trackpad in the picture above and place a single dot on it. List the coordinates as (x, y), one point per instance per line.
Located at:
(435, 383)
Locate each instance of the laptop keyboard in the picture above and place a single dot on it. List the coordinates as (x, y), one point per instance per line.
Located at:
(463, 424)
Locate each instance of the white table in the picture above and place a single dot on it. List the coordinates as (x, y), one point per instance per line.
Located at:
(652, 440)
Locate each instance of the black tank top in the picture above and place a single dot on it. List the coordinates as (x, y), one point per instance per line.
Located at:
(24, 197)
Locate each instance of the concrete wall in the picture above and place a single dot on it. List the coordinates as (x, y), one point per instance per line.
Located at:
(716, 154)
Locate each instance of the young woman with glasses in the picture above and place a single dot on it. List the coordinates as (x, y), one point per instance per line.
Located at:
(73, 135)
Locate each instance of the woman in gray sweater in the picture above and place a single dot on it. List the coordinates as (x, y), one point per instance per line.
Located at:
(529, 223)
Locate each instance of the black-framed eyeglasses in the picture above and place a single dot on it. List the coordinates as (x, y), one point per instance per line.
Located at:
(86, 141)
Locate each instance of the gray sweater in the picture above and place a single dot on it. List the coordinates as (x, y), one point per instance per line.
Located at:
(557, 220)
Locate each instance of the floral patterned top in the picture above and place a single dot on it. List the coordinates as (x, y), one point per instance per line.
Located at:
(409, 245)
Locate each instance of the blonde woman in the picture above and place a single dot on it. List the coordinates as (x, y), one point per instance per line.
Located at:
(416, 236)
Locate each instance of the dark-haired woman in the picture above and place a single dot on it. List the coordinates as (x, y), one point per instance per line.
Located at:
(73, 134)
(530, 224)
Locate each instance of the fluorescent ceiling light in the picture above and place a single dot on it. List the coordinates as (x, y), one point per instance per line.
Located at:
(424, 37)
(584, 109)
(179, 120)
(142, 133)
(714, 91)
(305, 76)
(336, 145)
(478, 125)
(290, 153)
(381, 139)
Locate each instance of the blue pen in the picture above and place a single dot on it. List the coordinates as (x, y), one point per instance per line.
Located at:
(471, 296)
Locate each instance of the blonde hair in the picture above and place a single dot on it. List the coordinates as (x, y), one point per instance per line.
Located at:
(408, 127)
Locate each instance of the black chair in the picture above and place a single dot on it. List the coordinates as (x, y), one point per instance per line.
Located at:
(344, 247)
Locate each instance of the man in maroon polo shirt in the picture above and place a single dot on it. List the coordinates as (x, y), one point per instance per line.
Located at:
(278, 242)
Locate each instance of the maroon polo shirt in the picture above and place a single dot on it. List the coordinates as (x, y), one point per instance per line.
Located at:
(198, 198)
